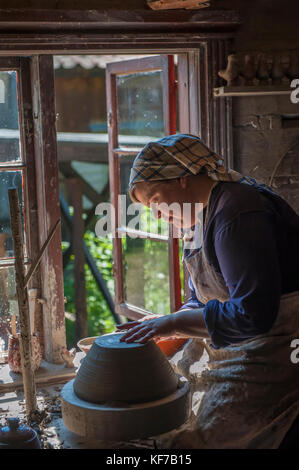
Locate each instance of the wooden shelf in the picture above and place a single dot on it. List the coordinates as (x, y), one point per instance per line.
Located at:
(270, 90)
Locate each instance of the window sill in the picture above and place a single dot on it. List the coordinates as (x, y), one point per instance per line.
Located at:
(47, 374)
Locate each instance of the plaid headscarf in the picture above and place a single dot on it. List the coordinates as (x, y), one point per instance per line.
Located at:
(181, 155)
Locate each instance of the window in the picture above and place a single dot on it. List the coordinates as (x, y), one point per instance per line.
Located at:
(28, 42)
(15, 159)
(141, 101)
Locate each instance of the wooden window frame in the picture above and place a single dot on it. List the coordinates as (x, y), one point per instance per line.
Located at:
(22, 66)
(165, 63)
(26, 164)
(205, 37)
(41, 193)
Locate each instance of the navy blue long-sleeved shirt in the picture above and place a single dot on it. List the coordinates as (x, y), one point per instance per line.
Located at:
(252, 239)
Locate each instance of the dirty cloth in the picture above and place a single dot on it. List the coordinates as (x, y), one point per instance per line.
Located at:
(246, 395)
(179, 155)
(252, 239)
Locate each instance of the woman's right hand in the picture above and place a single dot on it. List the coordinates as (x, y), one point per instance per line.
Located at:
(151, 326)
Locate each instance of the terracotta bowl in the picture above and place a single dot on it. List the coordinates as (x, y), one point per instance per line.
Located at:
(118, 372)
(85, 343)
(14, 354)
(171, 345)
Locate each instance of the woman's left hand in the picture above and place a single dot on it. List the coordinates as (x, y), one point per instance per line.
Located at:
(145, 330)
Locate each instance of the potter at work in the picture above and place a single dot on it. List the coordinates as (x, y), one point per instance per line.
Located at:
(243, 312)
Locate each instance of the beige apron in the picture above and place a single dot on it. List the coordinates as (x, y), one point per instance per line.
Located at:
(245, 396)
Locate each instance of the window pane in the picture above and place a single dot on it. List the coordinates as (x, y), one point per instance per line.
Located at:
(8, 304)
(9, 122)
(140, 104)
(9, 179)
(96, 175)
(146, 277)
(8, 299)
(182, 271)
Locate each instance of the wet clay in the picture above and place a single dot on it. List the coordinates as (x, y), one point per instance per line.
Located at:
(115, 371)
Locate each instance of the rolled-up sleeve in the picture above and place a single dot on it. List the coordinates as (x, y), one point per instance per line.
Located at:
(246, 251)
(193, 301)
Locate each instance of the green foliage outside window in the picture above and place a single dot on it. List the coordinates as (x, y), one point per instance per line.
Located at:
(100, 320)
(154, 277)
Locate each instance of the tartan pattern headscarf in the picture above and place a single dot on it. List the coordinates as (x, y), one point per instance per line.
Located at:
(180, 155)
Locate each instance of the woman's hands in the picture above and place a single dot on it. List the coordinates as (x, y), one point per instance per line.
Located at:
(187, 323)
(152, 326)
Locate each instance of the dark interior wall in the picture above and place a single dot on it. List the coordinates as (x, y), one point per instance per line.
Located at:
(264, 134)
(75, 4)
(80, 99)
(271, 23)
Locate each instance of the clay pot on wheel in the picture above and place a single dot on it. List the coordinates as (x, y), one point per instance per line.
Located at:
(115, 371)
(124, 391)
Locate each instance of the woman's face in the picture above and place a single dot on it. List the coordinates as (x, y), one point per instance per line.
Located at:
(166, 199)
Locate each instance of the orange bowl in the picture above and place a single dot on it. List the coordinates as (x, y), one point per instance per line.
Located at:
(170, 346)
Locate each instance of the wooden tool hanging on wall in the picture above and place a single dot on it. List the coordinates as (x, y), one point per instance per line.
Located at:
(177, 4)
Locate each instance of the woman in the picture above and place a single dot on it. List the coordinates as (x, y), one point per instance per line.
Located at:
(244, 305)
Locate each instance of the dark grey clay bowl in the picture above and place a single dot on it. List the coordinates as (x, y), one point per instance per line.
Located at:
(116, 372)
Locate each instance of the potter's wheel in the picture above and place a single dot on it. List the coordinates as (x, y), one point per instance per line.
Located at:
(124, 391)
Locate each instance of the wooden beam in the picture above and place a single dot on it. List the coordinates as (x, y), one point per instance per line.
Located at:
(30, 32)
(37, 260)
(83, 152)
(23, 303)
(30, 192)
(81, 326)
(56, 21)
(185, 98)
(183, 94)
(69, 173)
(177, 4)
(170, 113)
(138, 43)
(47, 181)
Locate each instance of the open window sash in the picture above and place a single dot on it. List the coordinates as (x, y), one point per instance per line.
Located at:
(132, 84)
(17, 169)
